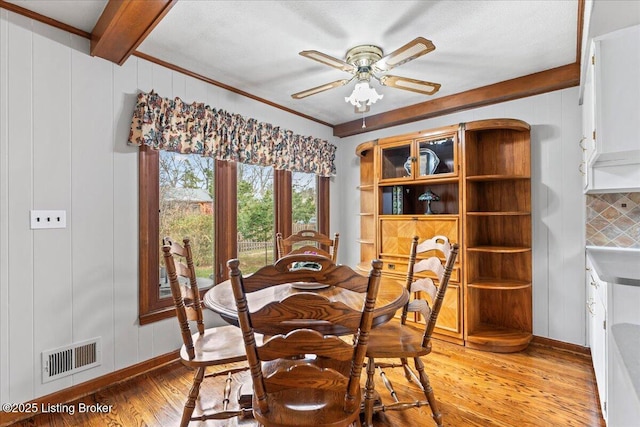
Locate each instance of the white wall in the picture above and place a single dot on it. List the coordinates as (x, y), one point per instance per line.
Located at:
(558, 204)
(64, 123)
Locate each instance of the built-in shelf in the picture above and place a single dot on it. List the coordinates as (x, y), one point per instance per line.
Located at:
(498, 338)
(419, 216)
(501, 213)
(499, 249)
(432, 180)
(498, 283)
(495, 177)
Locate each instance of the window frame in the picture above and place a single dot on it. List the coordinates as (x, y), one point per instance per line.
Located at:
(153, 308)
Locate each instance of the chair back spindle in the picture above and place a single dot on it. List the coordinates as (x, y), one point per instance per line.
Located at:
(409, 280)
(308, 242)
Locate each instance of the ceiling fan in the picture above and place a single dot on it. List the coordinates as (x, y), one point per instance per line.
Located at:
(364, 62)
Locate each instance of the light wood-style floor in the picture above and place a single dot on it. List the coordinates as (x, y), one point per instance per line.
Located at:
(540, 386)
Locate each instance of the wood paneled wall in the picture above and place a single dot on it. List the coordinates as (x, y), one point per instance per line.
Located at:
(64, 122)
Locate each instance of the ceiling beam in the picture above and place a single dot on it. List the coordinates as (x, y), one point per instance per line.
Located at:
(532, 84)
(123, 25)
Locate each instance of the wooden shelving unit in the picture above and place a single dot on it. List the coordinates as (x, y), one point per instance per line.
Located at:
(497, 235)
(481, 172)
(395, 172)
(368, 203)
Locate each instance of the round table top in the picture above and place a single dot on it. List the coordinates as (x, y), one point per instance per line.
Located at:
(392, 295)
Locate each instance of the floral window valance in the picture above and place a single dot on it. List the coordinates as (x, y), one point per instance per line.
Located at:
(173, 125)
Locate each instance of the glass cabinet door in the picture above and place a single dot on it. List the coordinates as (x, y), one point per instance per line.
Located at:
(396, 161)
(436, 156)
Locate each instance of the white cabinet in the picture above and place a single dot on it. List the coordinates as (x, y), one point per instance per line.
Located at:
(597, 326)
(617, 61)
(587, 143)
(611, 113)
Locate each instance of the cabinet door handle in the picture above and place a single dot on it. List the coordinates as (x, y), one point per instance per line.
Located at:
(590, 305)
(581, 143)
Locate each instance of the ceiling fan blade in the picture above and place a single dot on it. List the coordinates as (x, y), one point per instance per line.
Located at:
(329, 60)
(413, 85)
(319, 89)
(412, 50)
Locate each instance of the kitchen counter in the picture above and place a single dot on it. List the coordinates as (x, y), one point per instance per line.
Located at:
(616, 265)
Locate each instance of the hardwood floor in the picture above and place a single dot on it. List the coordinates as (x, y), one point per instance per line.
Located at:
(540, 386)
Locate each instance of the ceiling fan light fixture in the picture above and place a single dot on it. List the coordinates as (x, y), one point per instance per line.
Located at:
(363, 62)
(363, 94)
(362, 109)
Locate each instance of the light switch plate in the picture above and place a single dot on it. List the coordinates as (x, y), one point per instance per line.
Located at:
(48, 219)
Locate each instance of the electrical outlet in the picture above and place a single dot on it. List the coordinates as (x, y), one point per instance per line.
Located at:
(48, 219)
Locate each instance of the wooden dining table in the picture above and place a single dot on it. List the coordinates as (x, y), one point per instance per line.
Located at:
(392, 295)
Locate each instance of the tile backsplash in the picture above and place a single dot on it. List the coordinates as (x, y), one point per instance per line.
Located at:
(613, 219)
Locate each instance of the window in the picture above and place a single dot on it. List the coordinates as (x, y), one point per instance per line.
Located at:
(186, 210)
(217, 204)
(256, 224)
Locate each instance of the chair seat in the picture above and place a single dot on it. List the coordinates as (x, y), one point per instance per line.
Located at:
(223, 344)
(394, 340)
(304, 407)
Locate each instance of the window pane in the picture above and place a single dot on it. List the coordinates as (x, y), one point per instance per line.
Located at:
(256, 235)
(304, 194)
(186, 210)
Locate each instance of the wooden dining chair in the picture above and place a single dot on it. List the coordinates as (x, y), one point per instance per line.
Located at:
(305, 374)
(308, 241)
(207, 346)
(398, 339)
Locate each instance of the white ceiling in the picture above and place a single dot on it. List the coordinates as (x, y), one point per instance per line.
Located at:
(253, 45)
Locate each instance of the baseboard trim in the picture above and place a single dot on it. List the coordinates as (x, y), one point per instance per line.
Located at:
(561, 345)
(86, 388)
